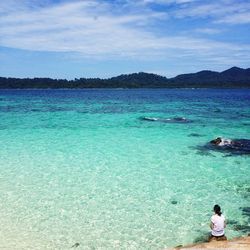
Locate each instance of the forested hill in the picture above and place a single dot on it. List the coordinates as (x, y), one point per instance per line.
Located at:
(232, 78)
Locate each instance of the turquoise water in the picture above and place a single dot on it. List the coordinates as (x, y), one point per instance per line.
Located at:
(80, 166)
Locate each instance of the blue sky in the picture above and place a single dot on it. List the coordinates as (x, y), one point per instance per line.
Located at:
(94, 38)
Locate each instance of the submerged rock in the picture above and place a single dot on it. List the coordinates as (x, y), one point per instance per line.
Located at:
(245, 210)
(232, 222)
(202, 238)
(228, 146)
(174, 202)
(195, 135)
(179, 246)
(217, 110)
(242, 228)
(76, 245)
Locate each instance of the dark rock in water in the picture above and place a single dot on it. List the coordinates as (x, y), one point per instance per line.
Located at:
(151, 119)
(232, 222)
(217, 110)
(246, 196)
(232, 147)
(165, 120)
(195, 135)
(179, 246)
(174, 202)
(243, 228)
(180, 119)
(76, 245)
(245, 210)
(202, 238)
(245, 115)
(228, 155)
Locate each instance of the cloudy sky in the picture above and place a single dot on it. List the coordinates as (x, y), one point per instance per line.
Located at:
(103, 38)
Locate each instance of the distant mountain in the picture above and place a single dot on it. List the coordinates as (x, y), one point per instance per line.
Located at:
(232, 78)
(236, 74)
(144, 80)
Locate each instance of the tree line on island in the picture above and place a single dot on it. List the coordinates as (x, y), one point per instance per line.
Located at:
(232, 78)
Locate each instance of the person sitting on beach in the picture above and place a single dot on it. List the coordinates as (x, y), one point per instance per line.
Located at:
(217, 225)
(221, 141)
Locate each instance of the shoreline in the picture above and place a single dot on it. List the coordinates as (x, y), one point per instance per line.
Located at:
(239, 243)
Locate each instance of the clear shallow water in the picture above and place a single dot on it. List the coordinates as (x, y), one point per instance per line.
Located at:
(80, 166)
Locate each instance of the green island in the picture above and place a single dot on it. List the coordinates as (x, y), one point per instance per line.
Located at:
(232, 78)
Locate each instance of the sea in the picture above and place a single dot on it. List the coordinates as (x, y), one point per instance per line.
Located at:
(120, 168)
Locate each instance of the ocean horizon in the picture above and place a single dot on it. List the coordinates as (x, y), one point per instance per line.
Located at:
(120, 168)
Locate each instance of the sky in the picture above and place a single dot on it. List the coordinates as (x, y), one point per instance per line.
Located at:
(104, 38)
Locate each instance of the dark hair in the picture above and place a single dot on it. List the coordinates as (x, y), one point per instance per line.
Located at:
(217, 210)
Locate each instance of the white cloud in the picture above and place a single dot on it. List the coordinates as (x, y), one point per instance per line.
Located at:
(238, 18)
(79, 26)
(223, 11)
(94, 29)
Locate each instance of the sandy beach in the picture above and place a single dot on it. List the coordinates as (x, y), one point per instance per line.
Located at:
(242, 243)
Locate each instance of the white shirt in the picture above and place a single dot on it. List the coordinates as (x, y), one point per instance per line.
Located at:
(218, 225)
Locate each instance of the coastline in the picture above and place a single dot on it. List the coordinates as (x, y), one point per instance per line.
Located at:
(241, 243)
